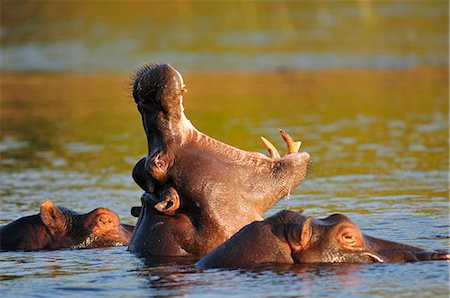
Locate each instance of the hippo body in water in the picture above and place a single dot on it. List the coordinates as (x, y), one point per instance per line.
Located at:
(290, 237)
(58, 227)
(218, 188)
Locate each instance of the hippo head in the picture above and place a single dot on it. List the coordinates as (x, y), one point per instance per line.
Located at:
(99, 228)
(336, 239)
(290, 237)
(103, 229)
(58, 227)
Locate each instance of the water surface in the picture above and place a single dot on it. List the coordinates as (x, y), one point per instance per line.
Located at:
(363, 84)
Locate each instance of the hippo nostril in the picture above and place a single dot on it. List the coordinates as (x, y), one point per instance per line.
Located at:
(148, 199)
(169, 204)
(440, 256)
(135, 211)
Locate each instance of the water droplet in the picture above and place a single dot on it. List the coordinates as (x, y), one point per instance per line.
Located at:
(288, 196)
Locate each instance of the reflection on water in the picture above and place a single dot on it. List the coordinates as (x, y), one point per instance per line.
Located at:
(379, 152)
(230, 35)
(114, 272)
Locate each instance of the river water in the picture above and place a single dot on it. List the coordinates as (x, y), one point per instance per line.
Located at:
(377, 129)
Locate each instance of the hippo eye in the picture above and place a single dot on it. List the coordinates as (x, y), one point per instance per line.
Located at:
(350, 238)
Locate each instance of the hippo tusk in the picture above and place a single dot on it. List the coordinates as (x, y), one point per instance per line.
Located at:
(293, 147)
(373, 256)
(271, 148)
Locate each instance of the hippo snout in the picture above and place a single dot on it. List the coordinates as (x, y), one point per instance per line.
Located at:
(149, 199)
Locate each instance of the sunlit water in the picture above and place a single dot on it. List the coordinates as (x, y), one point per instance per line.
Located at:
(376, 128)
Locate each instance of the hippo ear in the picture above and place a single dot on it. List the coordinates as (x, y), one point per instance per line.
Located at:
(305, 237)
(52, 217)
(299, 236)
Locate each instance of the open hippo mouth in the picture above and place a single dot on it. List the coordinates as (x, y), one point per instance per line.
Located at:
(190, 175)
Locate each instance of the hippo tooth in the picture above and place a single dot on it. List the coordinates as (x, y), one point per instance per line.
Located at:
(271, 148)
(293, 147)
(373, 256)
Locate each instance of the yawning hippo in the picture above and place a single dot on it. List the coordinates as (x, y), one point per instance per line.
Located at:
(215, 188)
(290, 237)
(58, 227)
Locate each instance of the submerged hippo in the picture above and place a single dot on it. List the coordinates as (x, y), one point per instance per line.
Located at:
(58, 227)
(290, 237)
(198, 187)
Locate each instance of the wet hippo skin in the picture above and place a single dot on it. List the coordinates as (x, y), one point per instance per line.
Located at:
(217, 188)
(58, 227)
(164, 234)
(290, 237)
